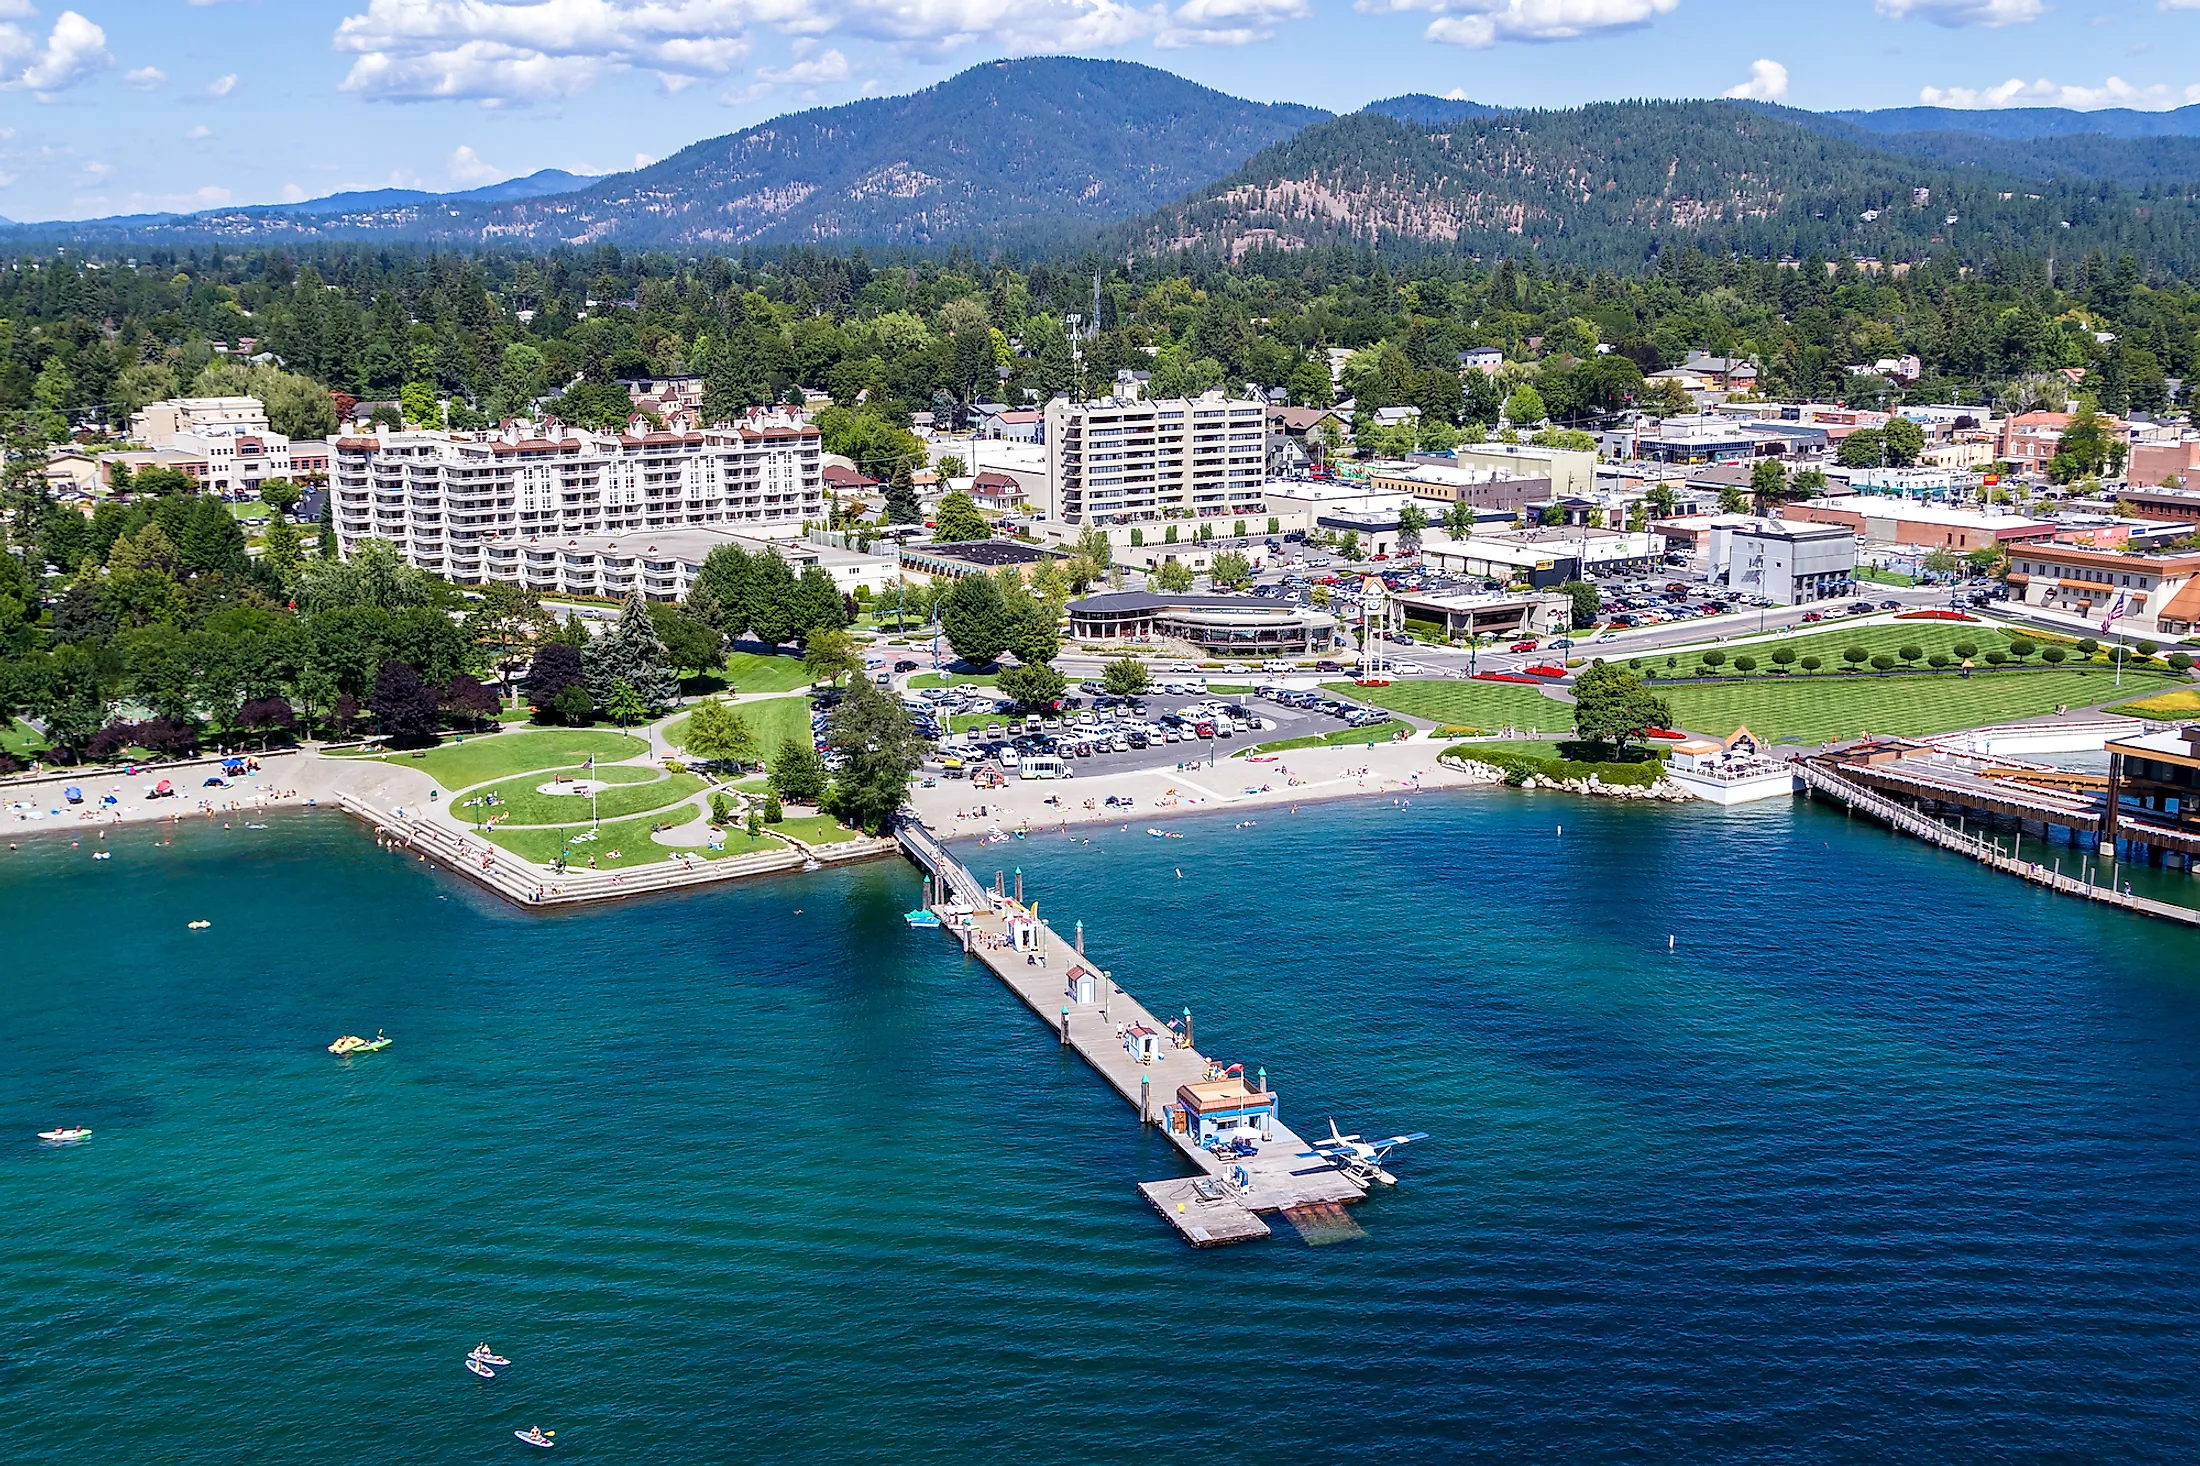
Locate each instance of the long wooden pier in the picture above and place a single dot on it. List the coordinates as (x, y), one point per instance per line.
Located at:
(1823, 780)
(1225, 1201)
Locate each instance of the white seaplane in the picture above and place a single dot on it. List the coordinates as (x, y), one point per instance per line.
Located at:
(1362, 1160)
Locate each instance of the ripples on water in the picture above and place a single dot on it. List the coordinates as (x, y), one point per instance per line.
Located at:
(1888, 1158)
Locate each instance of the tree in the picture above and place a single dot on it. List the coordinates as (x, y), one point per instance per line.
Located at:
(1034, 687)
(1525, 406)
(1230, 570)
(1910, 652)
(1733, 499)
(280, 495)
(1611, 706)
(1783, 657)
(979, 622)
(828, 655)
(879, 751)
(505, 622)
(464, 697)
(1856, 656)
(958, 521)
(572, 706)
(1588, 603)
(630, 652)
(1412, 519)
(1173, 575)
(1125, 676)
(797, 774)
(1459, 519)
(1881, 662)
(555, 668)
(901, 497)
(950, 466)
(1768, 485)
(687, 640)
(282, 551)
(2084, 448)
(718, 734)
(406, 707)
(1864, 448)
(1905, 442)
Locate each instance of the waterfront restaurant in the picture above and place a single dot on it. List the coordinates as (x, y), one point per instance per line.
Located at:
(1224, 1109)
(1233, 626)
(2154, 793)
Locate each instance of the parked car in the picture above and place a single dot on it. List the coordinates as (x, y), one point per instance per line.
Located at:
(1526, 644)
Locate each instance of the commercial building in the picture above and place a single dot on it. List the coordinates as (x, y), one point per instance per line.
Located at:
(440, 497)
(1478, 487)
(662, 565)
(1499, 613)
(1789, 564)
(159, 424)
(1891, 521)
(2153, 462)
(2149, 595)
(1570, 470)
(1121, 460)
(2154, 793)
(2179, 505)
(957, 559)
(2030, 439)
(222, 444)
(1227, 626)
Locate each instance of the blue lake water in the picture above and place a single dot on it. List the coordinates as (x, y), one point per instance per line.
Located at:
(1888, 1158)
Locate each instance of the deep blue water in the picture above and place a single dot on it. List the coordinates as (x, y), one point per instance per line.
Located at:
(1888, 1158)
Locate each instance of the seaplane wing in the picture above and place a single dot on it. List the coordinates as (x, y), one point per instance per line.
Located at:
(1400, 1140)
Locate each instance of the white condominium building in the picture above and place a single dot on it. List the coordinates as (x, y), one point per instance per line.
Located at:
(440, 497)
(1122, 461)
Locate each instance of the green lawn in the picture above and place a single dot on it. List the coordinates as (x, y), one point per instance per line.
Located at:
(816, 829)
(635, 792)
(630, 838)
(1927, 636)
(1487, 705)
(1342, 738)
(753, 672)
(482, 757)
(1814, 709)
(773, 720)
(20, 739)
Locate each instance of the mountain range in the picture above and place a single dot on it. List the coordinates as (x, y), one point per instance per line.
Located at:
(1060, 152)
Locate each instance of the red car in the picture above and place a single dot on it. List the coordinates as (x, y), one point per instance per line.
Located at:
(1524, 646)
(1811, 616)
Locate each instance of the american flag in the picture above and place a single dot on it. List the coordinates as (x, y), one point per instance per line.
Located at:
(2116, 612)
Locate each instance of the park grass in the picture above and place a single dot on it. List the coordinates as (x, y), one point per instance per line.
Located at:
(483, 757)
(523, 804)
(1467, 704)
(1816, 709)
(1927, 636)
(21, 740)
(815, 829)
(1341, 738)
(2180, 702)
(757, 672)
(1523, 757)
(630, 838)
(772, 721)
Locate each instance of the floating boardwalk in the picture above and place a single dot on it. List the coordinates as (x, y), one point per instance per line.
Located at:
(1821, 777)
(1224, 1201)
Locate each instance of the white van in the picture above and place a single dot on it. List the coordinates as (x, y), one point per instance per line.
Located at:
(1040, 766)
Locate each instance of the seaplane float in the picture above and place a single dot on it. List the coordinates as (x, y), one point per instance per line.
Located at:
(1362, 1160)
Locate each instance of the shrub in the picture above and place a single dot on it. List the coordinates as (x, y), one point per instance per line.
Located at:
(2180, 662)
(1856, 656)
(1635, 663)
(1745, 663)
(1996, 658)
(2054, 654)
(2088, 645)
(1672, 661)
(1783, 656)
(2022, 647)
(1966, 649)
(1813, 663)
(1881, 662)
(721, 810)
(756, 823)
(1714, 658)
(773, 814)
(2149, 648)
(1909, 653)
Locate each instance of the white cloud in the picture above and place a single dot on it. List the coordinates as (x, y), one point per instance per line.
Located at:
(17, 9)
(1228, 22)
(198, 134)
(209, 197)
(74, 50)
(293, 194)
(145, 79)
(466, 166)
(222, 86)
(2016, 92)
(1965, 14)
(1482, 23)
(1768, 82)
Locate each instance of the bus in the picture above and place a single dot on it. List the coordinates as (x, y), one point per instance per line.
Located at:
(1040, 766)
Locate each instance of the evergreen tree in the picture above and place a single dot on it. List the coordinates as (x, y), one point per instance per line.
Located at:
(980, 624)
(630, 652)
(798, 773)
(769, 604)
(901, 497)
(328, 525)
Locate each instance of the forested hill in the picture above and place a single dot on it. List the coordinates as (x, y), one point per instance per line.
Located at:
(1030, 148)
(1614, 183)
(2029, 122)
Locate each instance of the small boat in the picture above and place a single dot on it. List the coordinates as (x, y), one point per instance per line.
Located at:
(479, 1368)
(920, 917)
(487, 1355)
(352, 1043)
(1157, 834)
(103, 855)
(66, 1135)
(535, 1437)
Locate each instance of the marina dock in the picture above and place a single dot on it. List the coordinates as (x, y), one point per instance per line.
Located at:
(1142, 1059)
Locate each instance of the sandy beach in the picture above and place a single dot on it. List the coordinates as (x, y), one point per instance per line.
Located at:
(289, 779)
(955, 808)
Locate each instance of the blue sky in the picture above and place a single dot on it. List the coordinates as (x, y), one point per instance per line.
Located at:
(123, 106)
